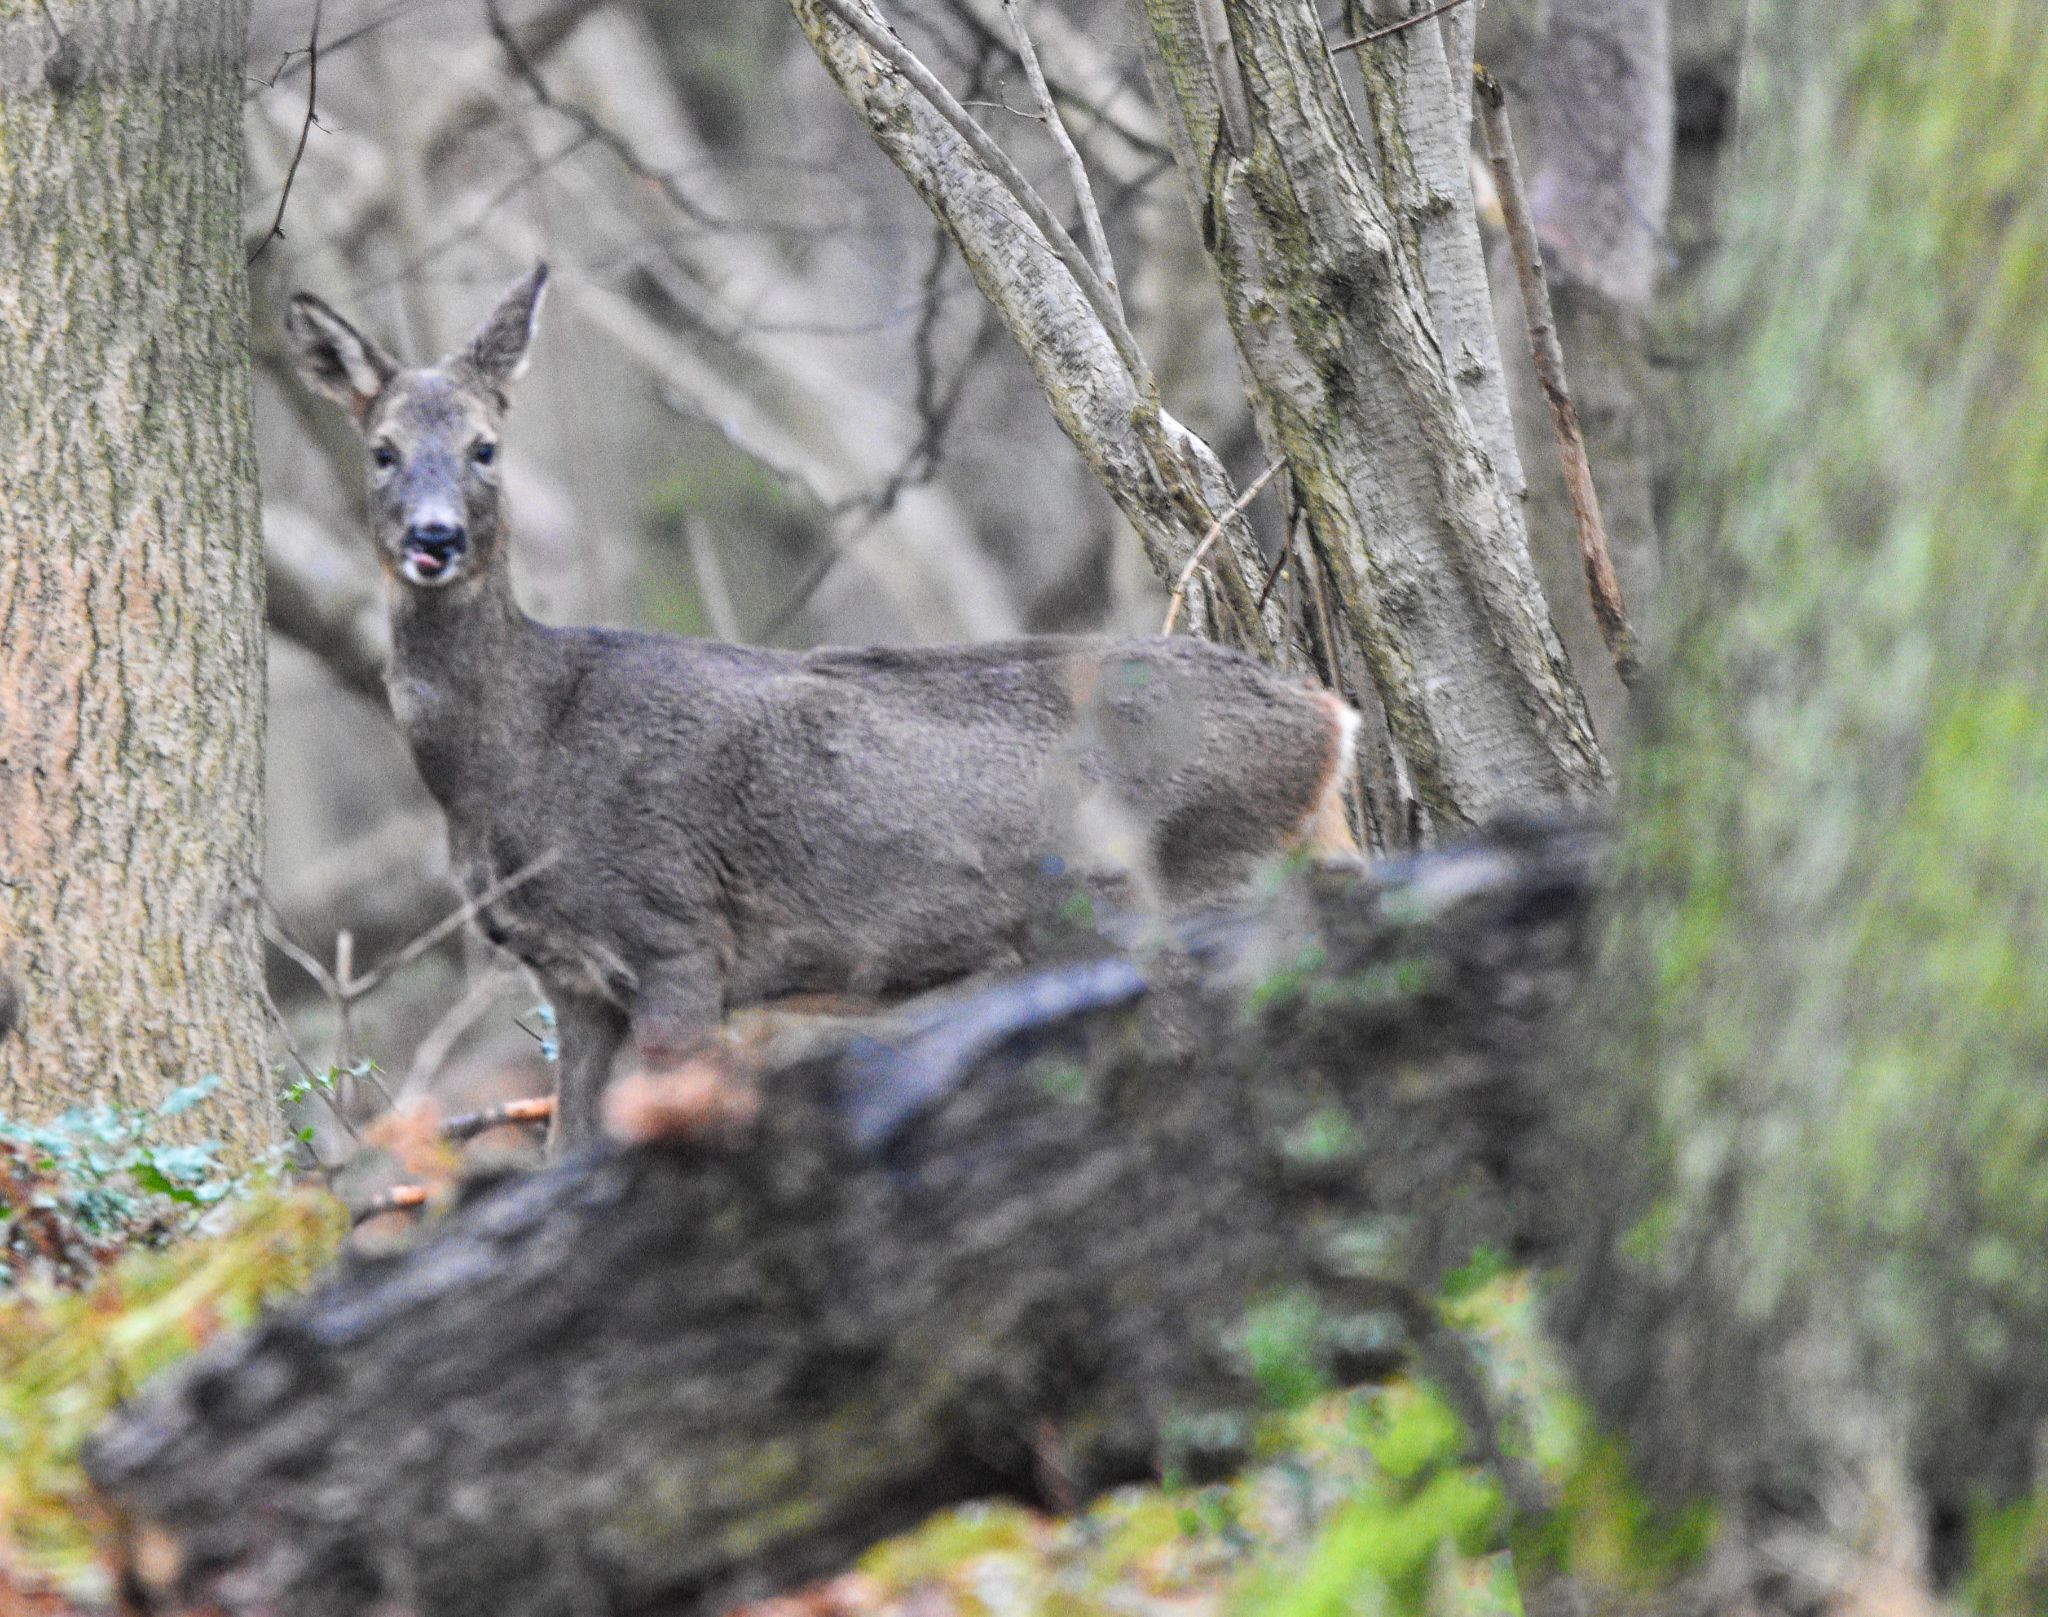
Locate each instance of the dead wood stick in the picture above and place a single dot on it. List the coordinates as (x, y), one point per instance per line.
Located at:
(1396, 27)
(526, 1109)
(1601, 584)
(1231, 513)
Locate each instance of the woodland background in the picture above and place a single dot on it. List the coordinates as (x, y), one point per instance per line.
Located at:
(1604, 1204)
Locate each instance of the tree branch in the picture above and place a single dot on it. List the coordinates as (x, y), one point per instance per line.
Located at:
(1601, 584)
(319, 599)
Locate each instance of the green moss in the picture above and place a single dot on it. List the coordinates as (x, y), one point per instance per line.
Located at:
(2008, 1574)
(65, 1360)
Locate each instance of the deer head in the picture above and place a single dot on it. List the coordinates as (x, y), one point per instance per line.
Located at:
(432, 433)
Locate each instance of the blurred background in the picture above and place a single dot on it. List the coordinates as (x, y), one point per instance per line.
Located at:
(768, 403)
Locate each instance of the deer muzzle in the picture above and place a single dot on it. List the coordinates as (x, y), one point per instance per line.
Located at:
(432, 553)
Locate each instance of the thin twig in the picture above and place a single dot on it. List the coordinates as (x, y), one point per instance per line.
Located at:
(613, 142)
(527, 1109)
(276, 230)
(398, 1199)
(298, 1059)
(449, 925)
(1230, 514)
(1070, 154)
(1396, 27)
(715, 598)
(1107, 309)
(1601, 584)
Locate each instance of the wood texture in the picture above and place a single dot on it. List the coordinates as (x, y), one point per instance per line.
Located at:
(1333, 321)
(131, 595)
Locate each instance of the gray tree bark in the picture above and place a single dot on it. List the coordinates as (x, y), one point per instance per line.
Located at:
(131, 593)
(1333, 321)
(1810, 1268)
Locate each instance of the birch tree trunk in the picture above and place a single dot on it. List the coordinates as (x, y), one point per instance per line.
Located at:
(1332, 317)
(131, 597)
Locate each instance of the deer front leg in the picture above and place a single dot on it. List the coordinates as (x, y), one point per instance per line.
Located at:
(589, 1033)
(676, 1010)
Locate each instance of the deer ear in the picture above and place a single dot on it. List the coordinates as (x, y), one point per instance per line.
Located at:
(335, 360)
(496, 355)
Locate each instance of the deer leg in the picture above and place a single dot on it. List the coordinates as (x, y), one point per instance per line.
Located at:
(590, 1032)
(676, 1010)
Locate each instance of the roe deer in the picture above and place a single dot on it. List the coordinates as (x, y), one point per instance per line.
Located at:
(729, 825)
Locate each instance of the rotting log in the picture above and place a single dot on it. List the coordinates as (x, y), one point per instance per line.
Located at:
(664, 1376)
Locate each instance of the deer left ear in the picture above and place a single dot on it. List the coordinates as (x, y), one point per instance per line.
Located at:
(496, 355)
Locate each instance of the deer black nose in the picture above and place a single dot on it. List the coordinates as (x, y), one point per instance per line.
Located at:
(440, 540)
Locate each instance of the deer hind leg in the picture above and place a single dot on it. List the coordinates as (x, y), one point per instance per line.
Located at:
(1325, 831)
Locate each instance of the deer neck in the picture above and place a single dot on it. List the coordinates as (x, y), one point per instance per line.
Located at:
(468, 680)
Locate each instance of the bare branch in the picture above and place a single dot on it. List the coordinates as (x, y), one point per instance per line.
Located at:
(1237, 506)
(1601, 584)
(374, 979)
(276, 230)
(1077, 171)
(711, 588)
(1164, 478)
(319, 600)
(1396, 27)
(855, 15)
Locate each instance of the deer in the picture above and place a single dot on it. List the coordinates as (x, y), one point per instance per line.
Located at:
(666, 829)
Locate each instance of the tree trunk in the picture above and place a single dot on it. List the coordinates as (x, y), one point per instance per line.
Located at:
(1333, 320)
(1815, 1207)
(131, 596)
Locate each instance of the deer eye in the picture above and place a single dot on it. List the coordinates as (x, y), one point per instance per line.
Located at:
(484, 453)
(384, 457)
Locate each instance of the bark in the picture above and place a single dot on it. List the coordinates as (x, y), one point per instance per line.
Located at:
(1811, 1267)
(1418, 106)
(1333, 322)
(665, 1376)
(131, 615)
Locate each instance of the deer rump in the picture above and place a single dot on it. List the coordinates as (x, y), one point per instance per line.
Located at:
(730, 825)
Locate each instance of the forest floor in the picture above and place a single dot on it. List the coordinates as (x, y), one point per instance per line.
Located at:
(120, 1259)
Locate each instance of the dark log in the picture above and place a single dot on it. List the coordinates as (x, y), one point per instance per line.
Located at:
(667, 1375)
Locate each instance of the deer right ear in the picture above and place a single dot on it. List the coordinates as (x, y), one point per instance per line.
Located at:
(334, 359)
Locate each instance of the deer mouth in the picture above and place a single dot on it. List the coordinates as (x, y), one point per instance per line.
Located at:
(431, 560)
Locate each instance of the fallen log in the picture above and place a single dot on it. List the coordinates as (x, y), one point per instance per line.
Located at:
(667, 1375)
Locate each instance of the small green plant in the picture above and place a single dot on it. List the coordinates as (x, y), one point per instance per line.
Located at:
(99, 1179)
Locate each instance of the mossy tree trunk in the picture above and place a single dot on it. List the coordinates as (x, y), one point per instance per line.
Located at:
(131, 596)
(1823, 1009)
